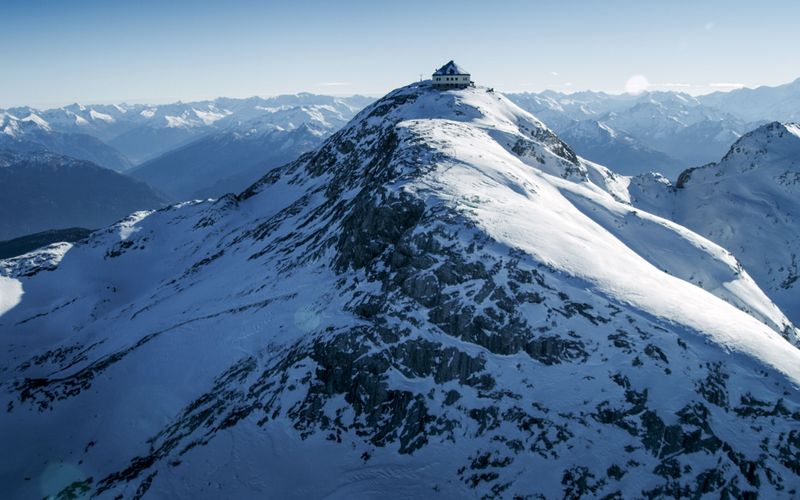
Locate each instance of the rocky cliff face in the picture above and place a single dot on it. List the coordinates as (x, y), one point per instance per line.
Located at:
(442, 300)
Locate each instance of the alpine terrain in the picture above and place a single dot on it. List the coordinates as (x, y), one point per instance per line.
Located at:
(231, 159)
(34, 134)
(664, 132)
(24, 244)
(440, 301)
(42, 191)
(747, 202)
(142, 132)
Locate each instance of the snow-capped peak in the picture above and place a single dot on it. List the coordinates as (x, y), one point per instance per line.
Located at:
(772, 144)
(96, 115)
(210, 115)
(39, 121)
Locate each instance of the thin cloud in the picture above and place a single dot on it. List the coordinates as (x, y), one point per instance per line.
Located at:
(554, 73)
(672, 85)
(726, 85)
(710, 25)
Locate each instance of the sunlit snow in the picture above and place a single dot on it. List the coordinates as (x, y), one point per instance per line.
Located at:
(10, 294)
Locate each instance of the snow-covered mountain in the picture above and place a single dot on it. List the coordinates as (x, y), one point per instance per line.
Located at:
(561, 109)
(656, 131)
(168, 127)
(28, 243)
(142, 132)
(607, 146)
(41, 191)
(232, 159)
(763, 103)
(692, 133)
(748, 202)
(32, 133)
(442, 300)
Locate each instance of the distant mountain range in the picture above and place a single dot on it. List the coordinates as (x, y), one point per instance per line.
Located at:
(655, 131)
(665, 132)
(30, 133)
(190, 150)
(601, 143)
(780, 103)
(141, 132)
(228, 159)
(42, 191)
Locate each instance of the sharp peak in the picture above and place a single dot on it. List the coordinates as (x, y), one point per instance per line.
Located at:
(773, 129)
(774, 145)
(777, 139)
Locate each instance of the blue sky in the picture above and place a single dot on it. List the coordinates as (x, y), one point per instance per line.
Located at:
(56, 52)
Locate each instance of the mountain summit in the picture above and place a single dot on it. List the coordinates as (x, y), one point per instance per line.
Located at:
(443, 299)
(748, 203)
(769, 144)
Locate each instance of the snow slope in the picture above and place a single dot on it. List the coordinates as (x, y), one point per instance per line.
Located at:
(748, 203)
(442, 300)
(10, 293)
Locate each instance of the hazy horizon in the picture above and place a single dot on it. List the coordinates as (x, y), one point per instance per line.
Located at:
(375, 95)
(89, 51)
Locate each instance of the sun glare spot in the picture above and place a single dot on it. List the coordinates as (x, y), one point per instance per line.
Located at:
(636, 84)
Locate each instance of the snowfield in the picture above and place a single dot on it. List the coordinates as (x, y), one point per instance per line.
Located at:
(748, 203)
(10, 294)
(517, 202)
(442, 301)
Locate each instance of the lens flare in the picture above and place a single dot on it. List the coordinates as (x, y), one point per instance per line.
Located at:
(306, 319)
(57, 476)
(636, 84)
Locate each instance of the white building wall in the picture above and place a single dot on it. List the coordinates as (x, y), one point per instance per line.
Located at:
(451, 79)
